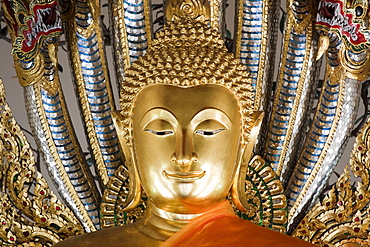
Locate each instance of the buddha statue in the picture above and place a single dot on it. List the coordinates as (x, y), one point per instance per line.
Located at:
(184, 128)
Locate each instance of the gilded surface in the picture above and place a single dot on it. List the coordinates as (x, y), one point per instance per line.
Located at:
(31, 25)
(49, 117)
(217, 18)
(131, 32)
(114, 202)
(347, 19)
(30, 212)
(333, 121)
(264, 194)
(342, 217)
(294, 87)
(211, 12)
(159, 70)
(119, 39)
(194, 9)
(93, 86)
(347, 67)
(255, 34)
(183, 59)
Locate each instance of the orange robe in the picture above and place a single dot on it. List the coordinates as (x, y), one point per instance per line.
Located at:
(220, 227)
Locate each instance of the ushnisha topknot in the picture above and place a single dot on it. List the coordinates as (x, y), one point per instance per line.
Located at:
(187, 53)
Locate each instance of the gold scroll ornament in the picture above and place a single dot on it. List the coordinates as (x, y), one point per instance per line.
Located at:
(193, 9)
(342, 217)
(29, 211)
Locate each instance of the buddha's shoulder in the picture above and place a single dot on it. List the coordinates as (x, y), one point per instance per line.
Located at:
(116, 236)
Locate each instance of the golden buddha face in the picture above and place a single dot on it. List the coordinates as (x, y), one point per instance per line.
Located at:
(186, 145)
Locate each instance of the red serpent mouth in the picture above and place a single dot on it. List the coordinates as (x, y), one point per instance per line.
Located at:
(327, 11)
(333, 17)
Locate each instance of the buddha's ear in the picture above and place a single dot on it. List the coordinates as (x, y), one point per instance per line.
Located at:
(248, 150)
(118, 123)
(134, 195)
(238, 187)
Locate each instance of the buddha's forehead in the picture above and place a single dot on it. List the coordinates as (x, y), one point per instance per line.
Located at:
(185, 102)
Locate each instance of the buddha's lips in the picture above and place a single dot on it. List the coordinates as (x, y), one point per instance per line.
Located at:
(184, 177)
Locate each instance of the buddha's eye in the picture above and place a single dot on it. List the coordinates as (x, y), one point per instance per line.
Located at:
(208, 132)
(160, 133)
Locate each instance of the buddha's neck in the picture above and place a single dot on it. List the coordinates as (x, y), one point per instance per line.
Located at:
(161, 225)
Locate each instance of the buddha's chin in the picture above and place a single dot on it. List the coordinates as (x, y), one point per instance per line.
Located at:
(199, 206)
(190, 204)
(194, 197)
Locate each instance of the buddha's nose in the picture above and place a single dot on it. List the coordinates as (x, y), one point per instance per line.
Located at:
(184, 154)
(183, 161)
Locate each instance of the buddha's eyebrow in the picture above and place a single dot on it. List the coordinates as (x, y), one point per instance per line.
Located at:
(158, 114)
(212, 114)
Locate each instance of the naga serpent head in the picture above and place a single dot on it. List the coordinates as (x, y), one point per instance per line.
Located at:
(347, 23)
(348, 19)
(31, 23)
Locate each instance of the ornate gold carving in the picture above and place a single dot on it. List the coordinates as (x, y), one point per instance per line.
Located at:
(30, 212)
(323, 46)
(216, 8)
(194, 9)
(71, 30)
(237, 192)
(113, 207)
(342, 217)
(30, 76)
(307, 27)
(118, 12)
(264, 44)
(28, 28)
(59, 165)
(36, 73)
(306, 23)
(355, 70)
(265, 201)
(349, 22)
(335, 75)
(33, 74)
(148, 22)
